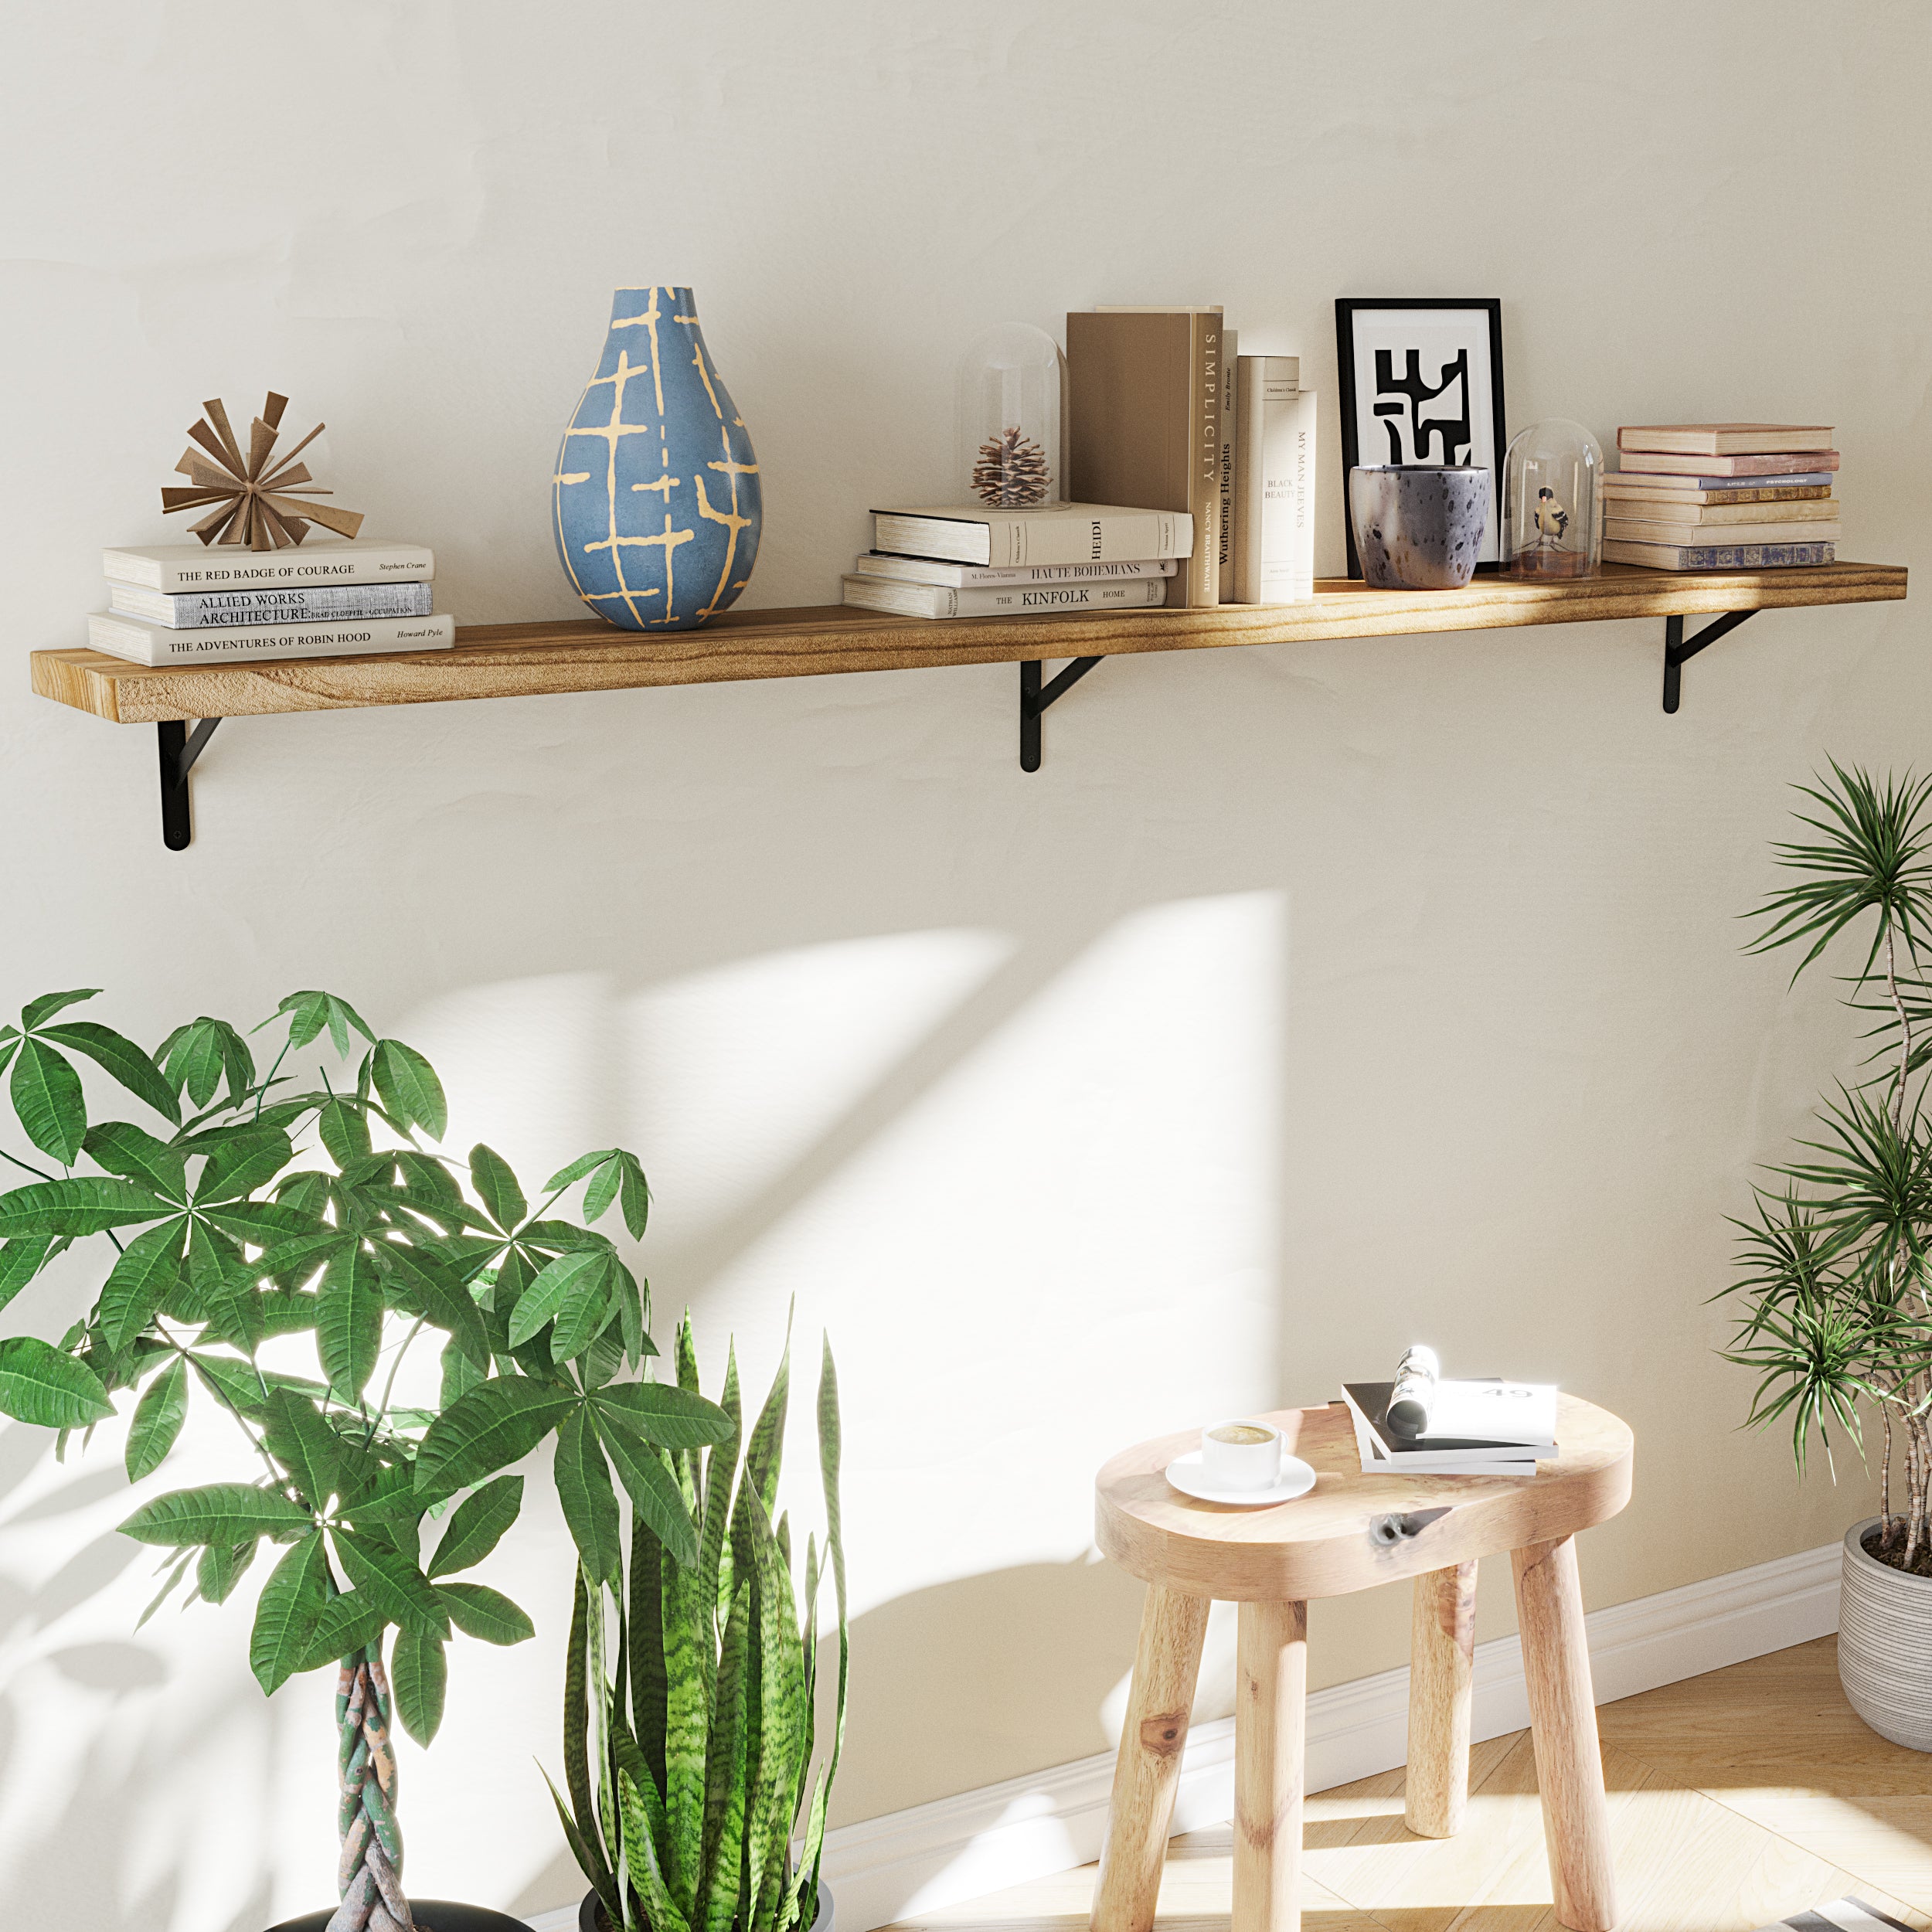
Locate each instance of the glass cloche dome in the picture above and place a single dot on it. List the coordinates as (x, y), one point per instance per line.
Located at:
(1009, 420)
(1553, 524)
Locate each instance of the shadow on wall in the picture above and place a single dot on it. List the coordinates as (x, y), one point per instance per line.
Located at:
(986, 1664)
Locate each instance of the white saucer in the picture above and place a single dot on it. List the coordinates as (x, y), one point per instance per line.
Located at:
(1296, 1479)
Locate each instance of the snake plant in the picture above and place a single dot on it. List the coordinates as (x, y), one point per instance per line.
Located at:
(691, 1691)
(254, 1212)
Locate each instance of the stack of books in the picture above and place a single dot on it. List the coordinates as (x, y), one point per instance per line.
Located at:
(1161, 414)
(1478, 1428)
(974, 563)
(1722, 496)
(179, 603)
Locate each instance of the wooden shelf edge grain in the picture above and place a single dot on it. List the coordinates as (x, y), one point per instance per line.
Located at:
(531, 660)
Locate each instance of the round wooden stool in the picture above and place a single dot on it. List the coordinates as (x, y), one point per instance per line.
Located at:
(1349, 1532)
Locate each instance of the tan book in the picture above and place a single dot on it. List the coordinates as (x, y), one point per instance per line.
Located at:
(1667, 462)
(1617, 488)
(1616, 530)
(1022, 539)
(1144, 422)
(1668, 509)
(1725, 439)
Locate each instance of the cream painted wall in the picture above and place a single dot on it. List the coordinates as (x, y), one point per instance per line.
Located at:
(1307, 1000)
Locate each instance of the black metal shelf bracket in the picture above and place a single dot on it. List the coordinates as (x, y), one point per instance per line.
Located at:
(1676, 649)
(1034, 697)
(179, 749)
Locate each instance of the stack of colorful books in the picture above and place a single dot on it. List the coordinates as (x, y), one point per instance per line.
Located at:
(974, 563)
(179, 603)
(1722, 496)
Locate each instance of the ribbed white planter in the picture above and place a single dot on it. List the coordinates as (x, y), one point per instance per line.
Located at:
(1885, 1644)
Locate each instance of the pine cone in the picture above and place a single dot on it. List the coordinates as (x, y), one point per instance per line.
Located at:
(1011, 472)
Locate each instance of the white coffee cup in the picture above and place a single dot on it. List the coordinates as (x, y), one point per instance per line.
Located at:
(1241, 1455)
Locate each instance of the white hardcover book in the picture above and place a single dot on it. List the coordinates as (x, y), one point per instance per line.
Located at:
(1275, 482)
(1012, 599)
(975, 576)
(1230, 367)
(287, 603)
(1068, 533)
(174, 567)
(1628, 529)
(153, 643)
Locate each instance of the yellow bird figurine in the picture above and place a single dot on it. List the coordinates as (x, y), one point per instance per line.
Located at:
(1552, 519)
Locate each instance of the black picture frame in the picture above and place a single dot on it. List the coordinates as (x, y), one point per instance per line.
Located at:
(1487, 333)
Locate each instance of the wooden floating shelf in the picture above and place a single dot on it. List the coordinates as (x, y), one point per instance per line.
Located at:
(531, 660)
(536, 660)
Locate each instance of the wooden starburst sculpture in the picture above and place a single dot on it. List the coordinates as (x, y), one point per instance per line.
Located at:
(265, 501)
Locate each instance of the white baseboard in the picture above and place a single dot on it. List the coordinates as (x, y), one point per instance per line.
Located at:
(958, 1847)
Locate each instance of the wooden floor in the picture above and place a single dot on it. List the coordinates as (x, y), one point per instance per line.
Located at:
(1735, 1799)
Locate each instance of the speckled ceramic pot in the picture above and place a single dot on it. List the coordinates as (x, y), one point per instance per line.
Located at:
(1418, 527)
(1885, 1644)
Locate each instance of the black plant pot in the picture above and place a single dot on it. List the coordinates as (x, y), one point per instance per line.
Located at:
(590, 1920)
(430, 1915)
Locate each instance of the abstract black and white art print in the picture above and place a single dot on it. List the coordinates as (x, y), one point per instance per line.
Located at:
(1421, 382)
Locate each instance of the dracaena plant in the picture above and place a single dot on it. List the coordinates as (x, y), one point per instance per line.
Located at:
(691, 1690)
(1834, 1268)
(257, 1214)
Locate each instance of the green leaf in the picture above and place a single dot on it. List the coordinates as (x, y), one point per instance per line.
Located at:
(49, 1004)
(246, 1388)
(584, 1164)
(143, 1275)
(641, 1856)
(237, 1168)
(293, 1261)
(225, 1287)
(222, 1567)
(305, 1446)
(584, 1317)
(40, 1384)
(589, 1862)
(409, 1087)
(460, 1376)
(120, 1057)
(158, 1418)
(590, 1503)
(85, 1204)
(286, 1615)
(497, 1188)
(309, 1012)
(603, 1190)
(636, 1196)
(661, 1412)
(191, 1057)
(344, 1129)
(216, 1513)
(390, 1579)
(724, 1810)
(582, 1272)
(478, 1610)
(476, 1525)
(349, 1326)
(490, 1428)
(440, 1297)
(46, 1091)
(419, 1670)
(348, 1623)
(136, 1155)
(261, 1223)
(21, 1260)
(654, 1491)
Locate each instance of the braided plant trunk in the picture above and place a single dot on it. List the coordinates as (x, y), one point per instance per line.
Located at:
(369, 1875)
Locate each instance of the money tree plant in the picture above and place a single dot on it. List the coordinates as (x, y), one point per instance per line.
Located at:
(259, 1218)
(691, 1690)
(1835, 1271)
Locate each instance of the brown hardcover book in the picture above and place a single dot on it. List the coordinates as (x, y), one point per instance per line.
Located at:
(1618, 487)
(1725, 439)
(1667, 463)
(1143, 422)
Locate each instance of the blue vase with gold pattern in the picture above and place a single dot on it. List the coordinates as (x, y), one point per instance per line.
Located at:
(655, 501)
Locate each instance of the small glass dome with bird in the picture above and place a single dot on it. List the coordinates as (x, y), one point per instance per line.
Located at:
(1552, 523)
(1009, 420)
